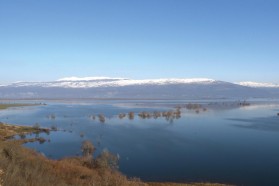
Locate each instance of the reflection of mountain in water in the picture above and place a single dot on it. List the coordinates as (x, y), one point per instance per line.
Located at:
(266, 124)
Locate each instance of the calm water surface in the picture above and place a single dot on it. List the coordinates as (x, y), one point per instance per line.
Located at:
(238, 145)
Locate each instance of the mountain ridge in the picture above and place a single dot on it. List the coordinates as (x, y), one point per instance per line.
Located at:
(106, 87)
(88, 82)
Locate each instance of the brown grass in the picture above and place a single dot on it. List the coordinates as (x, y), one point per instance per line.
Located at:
(25, 167)
(8, 131)
(5, 106)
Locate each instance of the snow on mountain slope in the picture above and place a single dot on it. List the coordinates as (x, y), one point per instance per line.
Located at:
(88, 78)
(90, 82)
(94, 82)
(258, 85)
(106, 87)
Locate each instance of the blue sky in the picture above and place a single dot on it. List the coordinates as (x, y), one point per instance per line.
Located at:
(231, 40)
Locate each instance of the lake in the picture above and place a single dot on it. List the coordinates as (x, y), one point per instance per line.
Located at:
(223, 142)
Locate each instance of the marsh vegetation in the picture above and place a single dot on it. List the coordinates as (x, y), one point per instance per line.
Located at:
(51, 116)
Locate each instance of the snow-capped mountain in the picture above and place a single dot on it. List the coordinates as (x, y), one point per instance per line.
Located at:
(91, 82)
(258, 85)
(73, 78)
(106, 87)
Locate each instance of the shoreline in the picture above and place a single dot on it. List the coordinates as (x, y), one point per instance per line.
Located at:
(4, 106)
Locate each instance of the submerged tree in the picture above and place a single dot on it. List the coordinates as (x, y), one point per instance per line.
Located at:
(51, 116)
(102, 118)
(36, 126)
(53, 128)
(156, 115)
(87, 149)
(177, 113)
(107, 160)
(131, 115)
(93, 117)
(142, 115)
(121, 115)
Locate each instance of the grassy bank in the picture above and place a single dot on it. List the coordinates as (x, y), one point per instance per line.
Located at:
(9, 131)
(25, 167)
(5, 106)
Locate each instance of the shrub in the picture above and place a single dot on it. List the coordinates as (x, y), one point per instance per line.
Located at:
(54, 128)
(121, 116)
(131, 115)
(102, 118)
(107, 160)
(36, 126)
(87, 149)
(81, 134)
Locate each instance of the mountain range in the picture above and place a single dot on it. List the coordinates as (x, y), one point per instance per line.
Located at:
(123, 88)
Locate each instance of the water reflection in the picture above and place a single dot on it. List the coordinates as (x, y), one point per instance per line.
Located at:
(265, 123)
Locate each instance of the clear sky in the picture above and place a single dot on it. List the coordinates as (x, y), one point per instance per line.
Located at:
(230, 40)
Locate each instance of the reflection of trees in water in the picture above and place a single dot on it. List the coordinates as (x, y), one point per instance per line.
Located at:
(197, 108)
(102, 118)
(51, 116)
(105, 160)
(121, 115)
(93, 117)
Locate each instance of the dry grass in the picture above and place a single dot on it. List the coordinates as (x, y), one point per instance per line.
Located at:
(1, 175)
(8, 131)
(24, 167)
(5, 106)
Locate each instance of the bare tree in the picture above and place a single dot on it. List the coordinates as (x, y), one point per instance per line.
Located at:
(107, 160)
(87, 149)
(102, 118)
(131, 115)
(121, 115)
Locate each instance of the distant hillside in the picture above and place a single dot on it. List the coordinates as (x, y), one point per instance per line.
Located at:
(103, 87)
